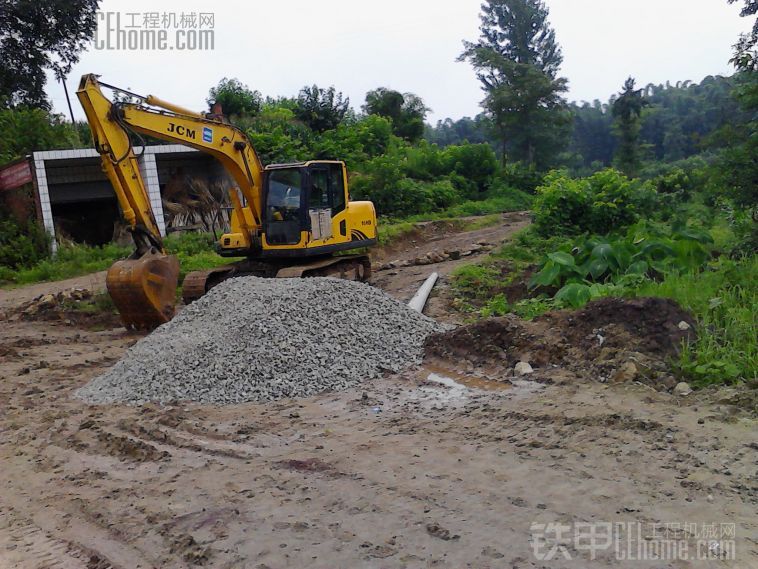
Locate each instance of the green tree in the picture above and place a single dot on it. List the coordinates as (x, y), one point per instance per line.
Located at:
(26, 130)
(35, 36)
(517, 60)
(406, 110)
(745, 53)
(235, 98)
(321, 109)
(626, 112)
(737, 166)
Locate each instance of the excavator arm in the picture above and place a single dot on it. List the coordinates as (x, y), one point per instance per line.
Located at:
(143, 287)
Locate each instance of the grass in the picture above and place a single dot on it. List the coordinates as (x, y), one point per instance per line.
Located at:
(477, 286)
(70, 261)
(391, 231)
(487, 211)
(194, 250)
(723, 298)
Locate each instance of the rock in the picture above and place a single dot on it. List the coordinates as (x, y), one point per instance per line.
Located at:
(522, 368)
(669, 382)
(683, 326)
(682, 388)
(454, 255)
(627, 372)
(46, 301)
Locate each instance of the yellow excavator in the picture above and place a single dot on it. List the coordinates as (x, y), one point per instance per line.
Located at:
(289, 221)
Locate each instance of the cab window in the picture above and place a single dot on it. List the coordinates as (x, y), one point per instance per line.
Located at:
(319, 196)
(284, 190)
(283, 213)
(336, 188)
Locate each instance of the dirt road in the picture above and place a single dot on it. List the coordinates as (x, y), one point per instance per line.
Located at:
(426, 469)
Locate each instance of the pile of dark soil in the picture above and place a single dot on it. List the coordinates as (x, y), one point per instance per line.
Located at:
(599, 337)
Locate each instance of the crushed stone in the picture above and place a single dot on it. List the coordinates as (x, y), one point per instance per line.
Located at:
(255, 339)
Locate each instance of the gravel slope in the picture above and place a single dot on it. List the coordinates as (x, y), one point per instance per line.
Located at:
(252, 339)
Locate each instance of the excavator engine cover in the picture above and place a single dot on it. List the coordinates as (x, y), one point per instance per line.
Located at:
(144, 289)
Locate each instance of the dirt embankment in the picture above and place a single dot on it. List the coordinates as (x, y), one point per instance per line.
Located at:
(612, 339)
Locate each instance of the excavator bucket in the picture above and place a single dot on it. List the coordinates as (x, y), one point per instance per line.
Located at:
(144, 289)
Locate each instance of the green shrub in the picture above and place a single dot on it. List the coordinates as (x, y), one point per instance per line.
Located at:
(675, 182)
(22, 245)
(601, 203)
(723, 299)
(523, 177)
(587, 269)
(562, 205)
(472, 163)
(190, 243)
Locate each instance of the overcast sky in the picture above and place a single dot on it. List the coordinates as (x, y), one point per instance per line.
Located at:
(277, 46)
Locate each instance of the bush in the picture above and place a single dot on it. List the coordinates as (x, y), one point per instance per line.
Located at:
(603, 202)
(474, 163)
(523, 177)
(618, 201)
(22, 245)
(404, 197)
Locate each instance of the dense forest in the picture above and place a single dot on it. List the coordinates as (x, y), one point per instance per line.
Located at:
(677, 122)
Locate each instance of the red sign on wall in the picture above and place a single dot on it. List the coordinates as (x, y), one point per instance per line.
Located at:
(15, 175)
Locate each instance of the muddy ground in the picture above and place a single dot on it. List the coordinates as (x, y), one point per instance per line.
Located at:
(455, 464)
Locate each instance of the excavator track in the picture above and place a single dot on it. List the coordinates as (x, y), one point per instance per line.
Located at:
(196, 283)
(349, 267)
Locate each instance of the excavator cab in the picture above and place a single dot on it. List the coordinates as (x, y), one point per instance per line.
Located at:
(301, 201)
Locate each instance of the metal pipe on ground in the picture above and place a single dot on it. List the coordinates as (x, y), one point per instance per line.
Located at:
(419, 299)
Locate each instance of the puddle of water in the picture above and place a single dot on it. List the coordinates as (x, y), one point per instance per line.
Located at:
(456, 391)
(453, 380)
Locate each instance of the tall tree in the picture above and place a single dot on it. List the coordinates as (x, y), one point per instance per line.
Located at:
(737, 166)
(235, 98)
(406, 110)
(36, 36)
(517, 60)
(321, 109)
(626, 112)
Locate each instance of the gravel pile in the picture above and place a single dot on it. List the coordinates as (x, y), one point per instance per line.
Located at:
(252, 339)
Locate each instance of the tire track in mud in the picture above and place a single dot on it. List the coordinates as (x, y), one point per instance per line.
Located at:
(24, 545)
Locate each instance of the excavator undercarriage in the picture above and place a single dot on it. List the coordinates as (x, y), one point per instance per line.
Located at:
(350, 267)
